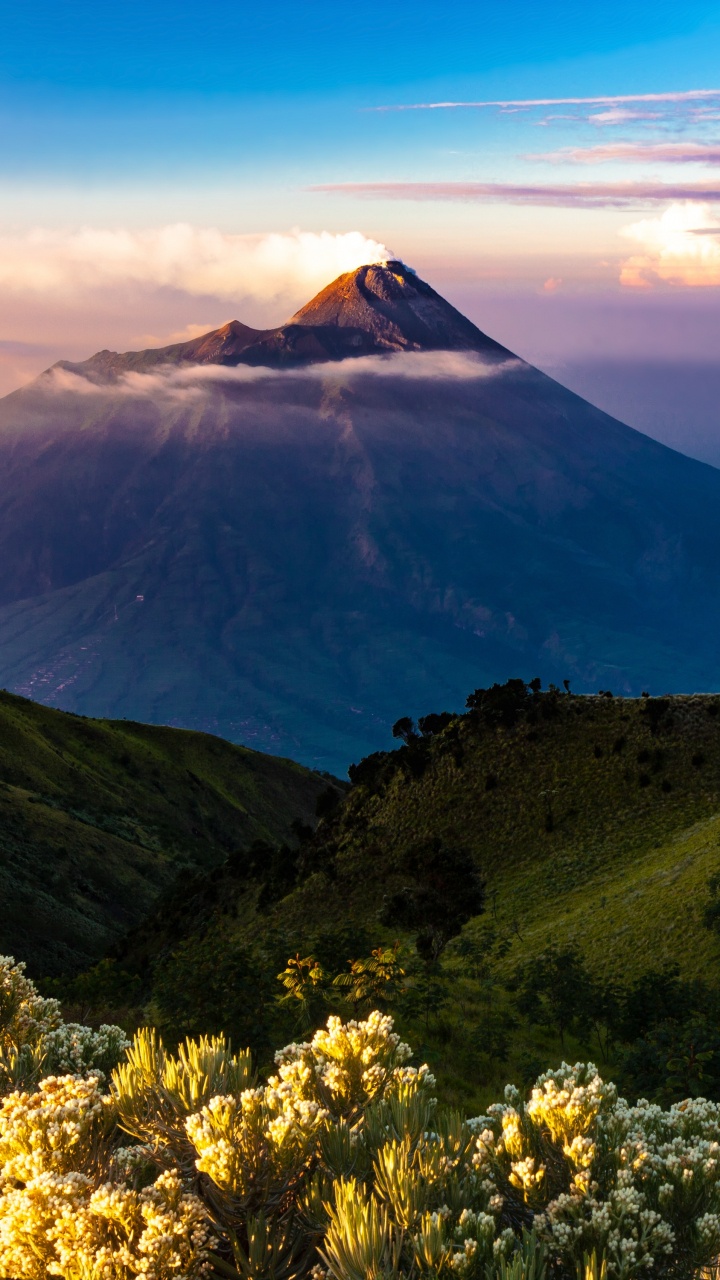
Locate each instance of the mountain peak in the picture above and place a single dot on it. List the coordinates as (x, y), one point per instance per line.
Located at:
(391, 309)
(378, 308)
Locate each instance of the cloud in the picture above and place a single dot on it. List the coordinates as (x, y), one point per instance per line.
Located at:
(621, 115)
(191, 382)
(197, 260)
(677, 248)
(519, 104)
(664, 152)
(592, 195)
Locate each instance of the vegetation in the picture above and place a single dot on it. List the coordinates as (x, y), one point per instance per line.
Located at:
(544, 864)
(341, 1166)
(98, 817)
(457, 898)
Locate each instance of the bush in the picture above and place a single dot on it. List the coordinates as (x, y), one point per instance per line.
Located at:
(343, 1167)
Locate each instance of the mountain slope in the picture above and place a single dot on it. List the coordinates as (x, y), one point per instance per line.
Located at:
(595, 820)
(595, 823)
(293, 557)
(98, 818)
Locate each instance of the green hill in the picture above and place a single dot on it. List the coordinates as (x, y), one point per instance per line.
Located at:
(595, 823)
(594, 820)
(99, 817)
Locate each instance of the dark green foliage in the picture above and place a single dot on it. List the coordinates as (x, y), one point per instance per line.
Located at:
(501, 705)
(672, 1032)
(433, 724)
(368, 770)
(556, 990)
(216, 984)
(711, 914)
(405, 729)
(443, 889)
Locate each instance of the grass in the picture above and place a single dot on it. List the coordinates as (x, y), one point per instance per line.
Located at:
(595, 822)
(598, 825)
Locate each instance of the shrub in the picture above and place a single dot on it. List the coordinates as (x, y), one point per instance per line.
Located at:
(34, 1039)
(343, 1167)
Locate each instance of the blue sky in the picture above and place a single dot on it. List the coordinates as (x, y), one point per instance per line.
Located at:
(120, 122)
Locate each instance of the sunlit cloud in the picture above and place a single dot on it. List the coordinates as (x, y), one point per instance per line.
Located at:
(591, 195)
(610, 99)
(677, 248)
(197, 260)
(663, 152)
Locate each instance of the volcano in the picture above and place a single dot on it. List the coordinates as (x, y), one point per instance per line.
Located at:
(292, 537)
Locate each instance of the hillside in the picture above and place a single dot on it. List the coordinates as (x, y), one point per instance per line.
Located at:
(290, 552)
(594, 821)
(98, 818)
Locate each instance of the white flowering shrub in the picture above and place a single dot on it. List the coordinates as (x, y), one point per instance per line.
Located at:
(342, 1167)
(68, 1209)
(25, 1019)
(73, 1049)
(34, 1040)
(637, 1186)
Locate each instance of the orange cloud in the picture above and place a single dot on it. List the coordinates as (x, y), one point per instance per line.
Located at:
(682, 247)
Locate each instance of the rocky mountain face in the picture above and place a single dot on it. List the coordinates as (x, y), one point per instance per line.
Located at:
(365, 312)
(293, 537)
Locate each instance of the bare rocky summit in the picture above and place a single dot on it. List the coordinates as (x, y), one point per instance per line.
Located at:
(372, 310)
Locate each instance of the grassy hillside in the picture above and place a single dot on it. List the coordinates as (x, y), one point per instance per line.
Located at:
(595, 822)
(98, 818)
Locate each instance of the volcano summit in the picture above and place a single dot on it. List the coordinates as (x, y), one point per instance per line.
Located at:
(291, 537)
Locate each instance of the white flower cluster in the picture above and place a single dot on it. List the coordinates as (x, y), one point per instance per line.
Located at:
(639, 1186)
(345, 1143)
(25, 1016)
(74, 1049)
(348, 1064)
(268, 1136)
(34, 1038)
(60, 1212)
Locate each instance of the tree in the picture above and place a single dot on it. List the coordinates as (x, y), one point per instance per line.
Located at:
(501, 705)
(555, 989)
(374, 981)
(434, 723)
(306, 984)
(405, 729)
(444, 889)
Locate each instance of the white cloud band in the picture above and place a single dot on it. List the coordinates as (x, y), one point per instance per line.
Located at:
(202, 261)
(190, 381)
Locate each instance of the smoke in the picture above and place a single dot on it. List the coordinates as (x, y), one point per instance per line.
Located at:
(196, 260)
(192, 382)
